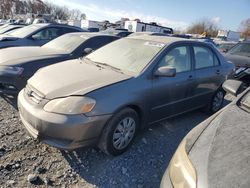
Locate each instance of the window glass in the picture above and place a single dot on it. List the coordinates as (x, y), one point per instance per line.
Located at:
(203, 57)
(68, 42)
(47, 34)
(178, 58)
(216, 61)
(127, 54)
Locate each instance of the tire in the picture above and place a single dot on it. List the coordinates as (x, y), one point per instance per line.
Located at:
(119, 132)
(216, 102)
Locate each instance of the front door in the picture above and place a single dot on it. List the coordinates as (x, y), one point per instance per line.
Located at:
(171, 93)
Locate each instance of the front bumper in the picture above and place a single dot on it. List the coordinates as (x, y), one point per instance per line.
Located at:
(11, 84)
(62, 131)
(166, 182)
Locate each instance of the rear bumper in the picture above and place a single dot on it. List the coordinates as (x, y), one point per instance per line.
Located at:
(11, 84)
(62, 131)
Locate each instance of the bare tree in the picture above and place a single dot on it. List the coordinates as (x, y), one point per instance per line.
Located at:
(10, 8)
(245, 28)
(203, 26)
(75, 14)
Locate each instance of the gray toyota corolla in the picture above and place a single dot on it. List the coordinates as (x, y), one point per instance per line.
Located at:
(105, 98)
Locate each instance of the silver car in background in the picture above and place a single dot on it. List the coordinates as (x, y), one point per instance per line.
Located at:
(105, 98)
(35, 34)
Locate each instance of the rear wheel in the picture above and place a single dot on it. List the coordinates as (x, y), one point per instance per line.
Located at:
(217, 101)
(119, 132)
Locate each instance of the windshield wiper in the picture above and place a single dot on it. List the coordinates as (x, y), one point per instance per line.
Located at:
(110, 66)
(103, 65)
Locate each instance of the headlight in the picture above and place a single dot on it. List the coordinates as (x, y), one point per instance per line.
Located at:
(70, 105)
(181, 171)
(11, 70)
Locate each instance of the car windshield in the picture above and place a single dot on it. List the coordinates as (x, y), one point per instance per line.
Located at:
(245, 102)
(24, 32)
(68, 42)
(242, 49)
(128, 55)
(226, 46)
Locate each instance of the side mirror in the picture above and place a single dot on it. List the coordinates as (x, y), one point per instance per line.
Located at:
(35, 37)
(233, 87)
(165, 72)
(88, 50)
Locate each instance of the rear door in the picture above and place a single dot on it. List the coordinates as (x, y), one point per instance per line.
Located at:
(170, 94)
(208, 73)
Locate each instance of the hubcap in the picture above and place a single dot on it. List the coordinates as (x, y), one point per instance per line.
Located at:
(124, 133)
(218, 100)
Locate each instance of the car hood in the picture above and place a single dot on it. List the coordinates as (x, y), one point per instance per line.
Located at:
(74, 77)
(239, 61)
(5, 37)
(19, 55)
(221, 155)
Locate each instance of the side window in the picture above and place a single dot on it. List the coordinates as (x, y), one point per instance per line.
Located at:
(47, 34)
(178, 58)
(204, 57)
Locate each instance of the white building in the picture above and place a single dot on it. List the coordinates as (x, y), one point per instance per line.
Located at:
(229, 35)
(91, 24)
(135, 26)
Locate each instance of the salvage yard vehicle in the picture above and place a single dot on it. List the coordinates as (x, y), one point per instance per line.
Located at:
(225, 46)
(216, 152)
(10, 27)
(240, 56)
(35, 35)
(106, 97)
(18, 64)
(118, 33)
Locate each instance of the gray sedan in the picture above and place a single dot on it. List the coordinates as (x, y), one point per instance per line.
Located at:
(216, 153)
(35, 34)
(105, 98)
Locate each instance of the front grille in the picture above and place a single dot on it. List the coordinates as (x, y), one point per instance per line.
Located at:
(33, 95)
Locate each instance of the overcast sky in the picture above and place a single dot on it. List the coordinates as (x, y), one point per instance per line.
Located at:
(174, 13)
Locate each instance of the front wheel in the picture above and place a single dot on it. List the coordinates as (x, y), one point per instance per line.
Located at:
(119, 132)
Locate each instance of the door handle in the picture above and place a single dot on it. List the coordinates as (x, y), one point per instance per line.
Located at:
(217, 71)
(190, 77)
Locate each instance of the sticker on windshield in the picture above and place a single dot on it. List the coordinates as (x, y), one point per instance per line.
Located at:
(155, 44)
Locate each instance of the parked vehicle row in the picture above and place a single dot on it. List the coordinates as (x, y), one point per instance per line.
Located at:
(106, 97)
(100, 89)
(18, 64)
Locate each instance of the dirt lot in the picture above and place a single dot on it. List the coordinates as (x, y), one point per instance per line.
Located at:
(26, 163)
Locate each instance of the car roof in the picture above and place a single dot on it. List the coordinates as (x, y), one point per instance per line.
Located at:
(41, 25)
(90, 34)
(160, 39)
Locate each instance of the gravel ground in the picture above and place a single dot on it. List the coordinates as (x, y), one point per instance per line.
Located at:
(26, 163)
